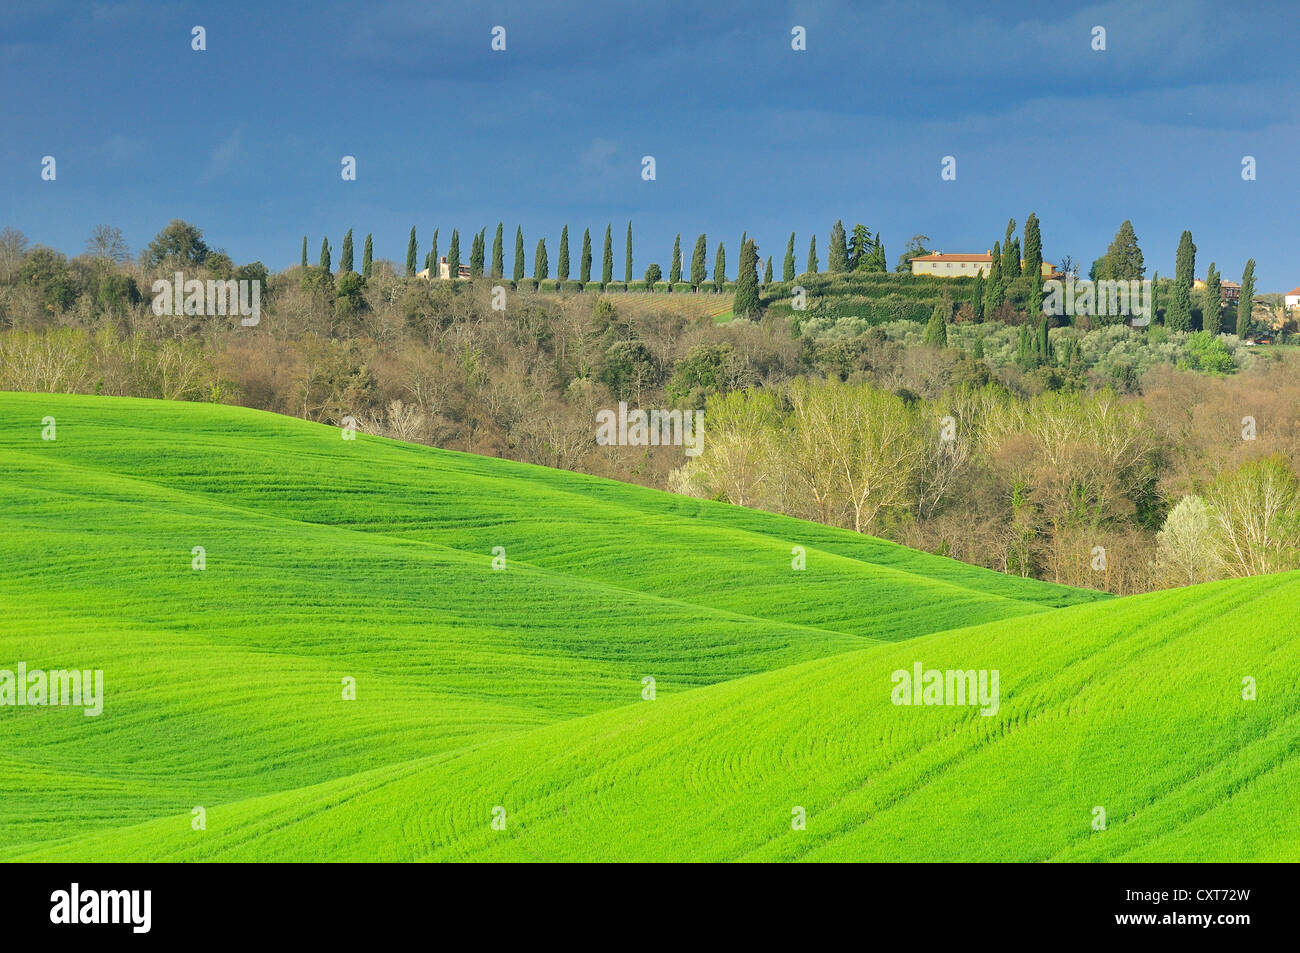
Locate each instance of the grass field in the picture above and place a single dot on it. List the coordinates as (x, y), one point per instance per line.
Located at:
(522, 689)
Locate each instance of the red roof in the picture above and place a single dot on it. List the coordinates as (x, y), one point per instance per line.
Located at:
(940, 256)
(1293, 291)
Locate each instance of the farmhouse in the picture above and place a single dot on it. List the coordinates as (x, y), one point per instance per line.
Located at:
(965, 266)
(444, 270)
(1229, 291)
(1292, 298)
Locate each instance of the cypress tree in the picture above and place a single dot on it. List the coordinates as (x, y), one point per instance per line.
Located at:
(994, 293)
(368, 256)
(519, 253)
(675, 269)
(812, 256)
(720, 267)
(787, 266)
(453, 256)
(410, 253)
(1034, 263)
(562, 266)
(498, 252)
(584, 265)
(1178, 316)
(838, 262)
(325, 255)
(476, 250)
(345, 256)
(541, 267)
(699, 261)
(1185, 268)
(767, 272)
(1010, 261)
(1244, 302)
(433, 258)
(936, 331)
(607, 260)
(745, 302)
(1211, 301)
(977, 297)
(627, 267)
(304, 251)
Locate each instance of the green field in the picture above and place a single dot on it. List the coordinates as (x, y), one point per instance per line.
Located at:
(521, 689)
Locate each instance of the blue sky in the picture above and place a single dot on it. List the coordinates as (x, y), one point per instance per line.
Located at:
(245, 139)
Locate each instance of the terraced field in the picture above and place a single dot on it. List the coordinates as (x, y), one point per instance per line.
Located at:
(517, 695)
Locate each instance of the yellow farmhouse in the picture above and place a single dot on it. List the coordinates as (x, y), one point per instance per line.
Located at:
(963, 266)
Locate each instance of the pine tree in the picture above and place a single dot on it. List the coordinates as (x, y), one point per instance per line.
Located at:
(607, 259)
(325, 255)
(476, 250)
(745, 303)
(720, 268)
(767, 272)
(368, 256)
(410, 253)
(453, 255)
(994, 293)
(584, 265)
(787, 266)
(499, 252)
(1244, 302)
(1123, 258)
(675, 269)
(699, 261)
(519, 253)
(541, 267)
(304, 251)
(838, 262)
(813, 264)
(627, 267)
(1211, 301)
(562, 266)
(977, 296)
(936, 331)
(345, 256)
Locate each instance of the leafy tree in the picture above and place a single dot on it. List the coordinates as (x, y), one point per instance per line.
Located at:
(410, 253)
(745, 303)
(787, 266)
(936, 331)
(1187, 547)
(653, 275)
(541, 267)
(675, 268)
(1244, 302)
(915, 248)
(518, 273)
(562, 267)
(720, 267)
(453, 255)
(325, 255)
(368, 256)
(498, 251)
(607, 259)
(838, 263)
(179, 244)
(813, 264)
(345, 256)
(627, 267)
(699, 263)
(584, 265)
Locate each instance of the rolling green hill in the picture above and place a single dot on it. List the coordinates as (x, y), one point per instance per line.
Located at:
(522, 689)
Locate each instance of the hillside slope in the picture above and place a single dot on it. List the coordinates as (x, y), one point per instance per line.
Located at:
(372, 560)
